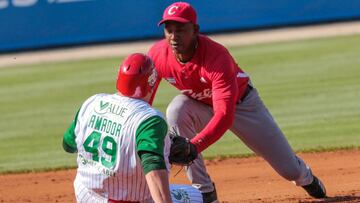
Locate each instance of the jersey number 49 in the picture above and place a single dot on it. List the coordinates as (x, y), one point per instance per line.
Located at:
(108, 147)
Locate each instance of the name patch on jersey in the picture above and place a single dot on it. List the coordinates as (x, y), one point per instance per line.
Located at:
(104, 125)
(107, 107)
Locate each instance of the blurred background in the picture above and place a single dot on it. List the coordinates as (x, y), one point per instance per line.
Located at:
(35, 24)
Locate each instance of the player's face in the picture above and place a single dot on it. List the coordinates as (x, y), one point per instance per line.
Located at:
(181, 36)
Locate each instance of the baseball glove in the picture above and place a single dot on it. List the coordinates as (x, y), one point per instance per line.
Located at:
(182, 151)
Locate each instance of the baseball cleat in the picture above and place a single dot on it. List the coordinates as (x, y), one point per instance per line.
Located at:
(316, 189)
(210, 197)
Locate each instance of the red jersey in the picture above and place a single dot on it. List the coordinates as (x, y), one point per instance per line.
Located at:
(211, 76)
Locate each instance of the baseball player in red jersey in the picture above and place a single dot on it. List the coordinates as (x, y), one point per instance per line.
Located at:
(216, 96)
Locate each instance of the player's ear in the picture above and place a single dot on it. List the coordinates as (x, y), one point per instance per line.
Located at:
(196, 28)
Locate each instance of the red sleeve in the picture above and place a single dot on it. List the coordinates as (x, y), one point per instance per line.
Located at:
(154, 90)
(152, 54)
(224, 94)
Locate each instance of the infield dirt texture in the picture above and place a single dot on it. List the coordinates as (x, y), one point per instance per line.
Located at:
(237, 180)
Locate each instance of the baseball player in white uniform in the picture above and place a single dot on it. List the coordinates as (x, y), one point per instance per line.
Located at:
(122, 143)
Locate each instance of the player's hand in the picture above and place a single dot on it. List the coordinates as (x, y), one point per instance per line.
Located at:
(182, 151)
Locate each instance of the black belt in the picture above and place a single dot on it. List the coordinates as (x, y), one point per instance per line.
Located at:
(246, 93)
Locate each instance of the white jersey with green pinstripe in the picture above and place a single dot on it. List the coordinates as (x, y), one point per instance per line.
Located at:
(108, 164)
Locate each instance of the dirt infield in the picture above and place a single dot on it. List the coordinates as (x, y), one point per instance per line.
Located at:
(237, 180)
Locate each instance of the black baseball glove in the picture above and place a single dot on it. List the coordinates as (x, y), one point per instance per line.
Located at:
(182, 151)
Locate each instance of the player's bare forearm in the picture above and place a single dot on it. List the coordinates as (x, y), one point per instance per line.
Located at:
(158, 183)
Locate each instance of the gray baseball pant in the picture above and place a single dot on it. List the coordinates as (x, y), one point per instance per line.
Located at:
(253, 124)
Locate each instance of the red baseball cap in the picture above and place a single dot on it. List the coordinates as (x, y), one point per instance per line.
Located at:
(181, 12)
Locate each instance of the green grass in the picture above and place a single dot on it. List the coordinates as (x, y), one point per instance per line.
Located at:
(312, 88)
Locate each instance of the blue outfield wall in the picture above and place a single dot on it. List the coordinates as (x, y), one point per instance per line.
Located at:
(33, 24)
